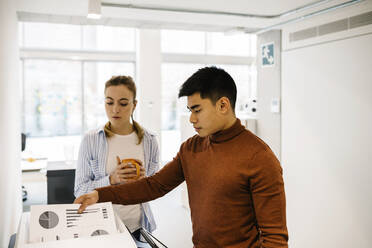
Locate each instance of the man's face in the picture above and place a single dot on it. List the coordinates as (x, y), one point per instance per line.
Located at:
(204, 116)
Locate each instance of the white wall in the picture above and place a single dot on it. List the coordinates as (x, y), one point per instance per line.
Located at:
(268, 88)
(149, 80)
(327, 143)
(10, 137)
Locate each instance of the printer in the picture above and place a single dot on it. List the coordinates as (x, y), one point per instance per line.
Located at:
(121, 239)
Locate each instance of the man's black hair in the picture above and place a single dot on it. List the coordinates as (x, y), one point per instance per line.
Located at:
(212, 83)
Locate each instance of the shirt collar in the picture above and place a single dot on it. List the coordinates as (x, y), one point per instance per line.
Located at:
(101, 129)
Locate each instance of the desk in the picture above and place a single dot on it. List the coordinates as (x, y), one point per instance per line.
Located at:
(52, 184)
(38, 164)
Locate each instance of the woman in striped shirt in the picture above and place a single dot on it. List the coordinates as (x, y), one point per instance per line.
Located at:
(121, 138)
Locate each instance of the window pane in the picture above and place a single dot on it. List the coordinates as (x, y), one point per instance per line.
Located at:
(173, 76)
(109, 38)
(95, 76)
(178, 41)
(232, 45)
(52, 97)
(53, 36)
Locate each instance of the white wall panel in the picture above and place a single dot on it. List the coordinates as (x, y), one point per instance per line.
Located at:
(327, 143)
(10, 137)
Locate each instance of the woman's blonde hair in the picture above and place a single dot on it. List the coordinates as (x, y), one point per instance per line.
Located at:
(129, 83)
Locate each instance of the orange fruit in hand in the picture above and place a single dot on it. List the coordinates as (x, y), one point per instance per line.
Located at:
(133, 162)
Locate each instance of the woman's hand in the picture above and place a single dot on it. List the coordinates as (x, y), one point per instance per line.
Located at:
(125, 173)
(115, 175)
(130, 172)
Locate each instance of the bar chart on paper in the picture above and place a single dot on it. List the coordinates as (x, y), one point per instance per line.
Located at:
(62, 221)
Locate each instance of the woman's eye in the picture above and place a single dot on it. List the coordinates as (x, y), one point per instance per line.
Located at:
(109, 103)
(197, 111)
(123, 104)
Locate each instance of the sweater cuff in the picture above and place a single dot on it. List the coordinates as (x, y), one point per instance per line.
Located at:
(105, 194)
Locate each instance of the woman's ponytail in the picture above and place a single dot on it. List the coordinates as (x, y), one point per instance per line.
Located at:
(107, 130)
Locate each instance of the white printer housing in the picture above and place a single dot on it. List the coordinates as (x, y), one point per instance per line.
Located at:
(122, 239)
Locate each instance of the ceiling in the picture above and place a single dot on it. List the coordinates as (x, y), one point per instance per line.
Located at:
(259, 7)
(209, 15)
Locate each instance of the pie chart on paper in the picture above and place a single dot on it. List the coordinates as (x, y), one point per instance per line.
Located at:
(48, 220)
(99, 232)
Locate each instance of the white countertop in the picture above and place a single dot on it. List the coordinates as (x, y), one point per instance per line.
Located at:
(61, 165)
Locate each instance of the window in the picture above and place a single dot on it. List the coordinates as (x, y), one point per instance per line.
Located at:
(75, 37)
(189, 48)
(213, 43)
(63, 98)
(51, 36)
(95, 76)
(52, 101)
(230, 45)
(63, 93)
(107, 38)
(177, 41)
(173, 76)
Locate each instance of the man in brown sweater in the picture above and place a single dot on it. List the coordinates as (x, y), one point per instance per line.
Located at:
(234, 181)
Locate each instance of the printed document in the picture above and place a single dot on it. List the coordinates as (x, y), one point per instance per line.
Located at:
(62, 221)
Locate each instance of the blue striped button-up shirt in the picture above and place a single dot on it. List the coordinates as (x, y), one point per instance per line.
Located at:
(91, 167)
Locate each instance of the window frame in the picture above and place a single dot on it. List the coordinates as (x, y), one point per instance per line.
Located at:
(81, 56)
(209, 59)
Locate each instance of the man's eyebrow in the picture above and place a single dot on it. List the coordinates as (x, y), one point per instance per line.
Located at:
(194, 107)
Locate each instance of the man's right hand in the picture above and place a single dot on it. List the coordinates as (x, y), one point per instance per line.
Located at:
(86, 200)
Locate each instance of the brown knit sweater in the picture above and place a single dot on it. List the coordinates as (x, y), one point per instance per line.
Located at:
(235, 187)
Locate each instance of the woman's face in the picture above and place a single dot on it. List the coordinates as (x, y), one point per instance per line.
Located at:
(119, 105)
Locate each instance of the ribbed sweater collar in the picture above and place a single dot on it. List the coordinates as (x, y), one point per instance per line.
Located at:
(227, 134)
